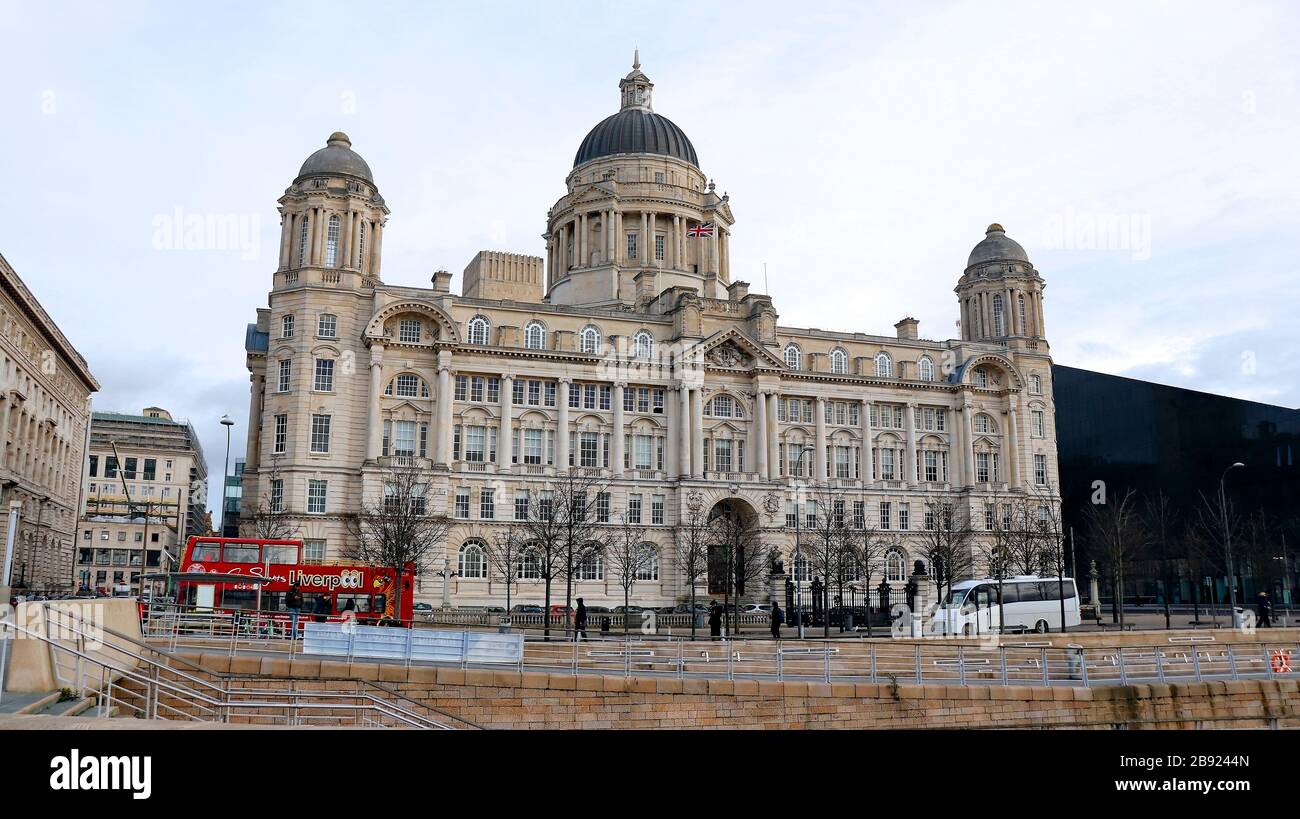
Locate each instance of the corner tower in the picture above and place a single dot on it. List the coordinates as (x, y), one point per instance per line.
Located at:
(1001, 294)
(639, 216)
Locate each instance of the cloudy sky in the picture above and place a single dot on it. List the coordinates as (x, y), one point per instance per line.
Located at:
(1145, 154)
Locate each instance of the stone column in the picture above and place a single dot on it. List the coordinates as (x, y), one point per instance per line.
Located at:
(713, 246)
(684, 431)
(1012, 449)
(286, 239)
(562, 426)
(318, 245)
(561, 255)
(726, 257)
(676, 249)
(909, 422)
(867, 460)
(697, 433)
(644, 249)
(616, 455)
(377, 249)
(760, 435)
(609, 236)
(445, 399)
(584, 257)
(773, 439)
(819, 456)
(504, 443)
(374, 439)
(343, 256)
(968, 442)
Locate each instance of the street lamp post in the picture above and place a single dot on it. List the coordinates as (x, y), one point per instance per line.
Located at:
(1227, 545)
(226, 422)
(798, 584)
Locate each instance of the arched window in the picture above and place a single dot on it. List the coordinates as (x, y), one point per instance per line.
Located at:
(721, 406)
(839, 362)
(590, 340)
(332, 243)
(535, 336)
(530, 565)
(999, 321)
(801, 570)
(793, 357)
(302, 241)
(478, 330)
(591, 568)
(648, 562)
(1036, 384)
(925, 369)
(1024, 328)
(473, 562)
(407, 386)
(884, 366)
(644, 346)
(895, 567)
(984, 424)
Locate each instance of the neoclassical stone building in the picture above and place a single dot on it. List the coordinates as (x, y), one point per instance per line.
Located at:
(628, 349)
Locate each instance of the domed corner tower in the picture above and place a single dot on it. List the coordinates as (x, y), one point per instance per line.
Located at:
(1001, 294)
(639, 216)
(332, 221)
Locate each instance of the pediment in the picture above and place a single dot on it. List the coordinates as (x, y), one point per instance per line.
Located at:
(733, 349)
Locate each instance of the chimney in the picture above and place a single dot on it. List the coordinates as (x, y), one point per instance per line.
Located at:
(442, 282)
(737, 290)
(907, 328)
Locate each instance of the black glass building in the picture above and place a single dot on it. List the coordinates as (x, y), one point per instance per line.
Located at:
(1152, 438)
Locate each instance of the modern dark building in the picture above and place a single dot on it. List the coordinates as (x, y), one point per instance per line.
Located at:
(1153, 438)
(230, 502)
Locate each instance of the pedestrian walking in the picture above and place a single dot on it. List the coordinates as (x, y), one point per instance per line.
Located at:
(293, 602)
(715, 620)
(580, 621)
(1264, 608)
(778, 617)
(322, 607)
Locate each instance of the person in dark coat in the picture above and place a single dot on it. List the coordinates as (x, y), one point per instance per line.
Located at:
(778, 617)
(580, 621)
(322, 607)
(1264, 608)
(715, 620)
(293, 602)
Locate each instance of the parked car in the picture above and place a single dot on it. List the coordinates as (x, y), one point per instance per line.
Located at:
(525, 608)
(685, 608)
(757, 608)
(597, 610)
(495, 609)
(561, 611)
(628, 609)
(422, 608)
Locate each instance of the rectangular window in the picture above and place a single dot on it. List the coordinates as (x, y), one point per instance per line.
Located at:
(859, 514)
(521, 504)
(129, 472)
(659, 247)
(517, 391)
(588, 451)
(657, 510)
(475, 444)
(885, 514)
(476, 389)
(1040, 426)
(904, 516)
(931, 465)
(1040, 470)
(658, 398)
(631, 246)
(286, 370)
(409, 331)
(286, 327)
(324, 375)
(150, 468)
(605, 394)
(94, 465)
(550, 394)
(602, 507)
(843, 462)
(320, 433)
(404, 439)
(633, 508)
(327, 326)
(110, 466)
(462, 502)
(313, 551)
(316, 497)
(487, 505)
(982, 470)
(990, 515)
(887, 464)
(277, 495)
(462, 382)
(791, 514)
(589, 396)
(629, 399)
(642, 445)
(281, 434)
(533, 446)
(494, 390)
(722, 455)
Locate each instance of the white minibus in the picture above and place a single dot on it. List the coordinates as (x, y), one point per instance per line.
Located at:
(1028, 603)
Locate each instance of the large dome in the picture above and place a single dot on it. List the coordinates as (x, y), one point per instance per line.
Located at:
(997, 247)
(336, 158)
(636, 131)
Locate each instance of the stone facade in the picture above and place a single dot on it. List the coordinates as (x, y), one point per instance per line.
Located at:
(639, 357)
(45, 390)
(163, 465)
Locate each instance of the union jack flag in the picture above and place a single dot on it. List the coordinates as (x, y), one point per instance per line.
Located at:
(702, 229)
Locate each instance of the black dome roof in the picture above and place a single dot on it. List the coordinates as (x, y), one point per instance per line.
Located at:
(636, 131)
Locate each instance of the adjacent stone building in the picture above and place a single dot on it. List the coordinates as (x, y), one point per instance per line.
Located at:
(45, 389)
(629, 350)
(146, 492)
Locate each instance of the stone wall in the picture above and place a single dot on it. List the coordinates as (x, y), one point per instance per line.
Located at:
(528, 700)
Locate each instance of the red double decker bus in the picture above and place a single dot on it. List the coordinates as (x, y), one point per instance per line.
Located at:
(256, 575)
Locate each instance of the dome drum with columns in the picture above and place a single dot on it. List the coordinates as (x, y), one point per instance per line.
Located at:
(628, 350)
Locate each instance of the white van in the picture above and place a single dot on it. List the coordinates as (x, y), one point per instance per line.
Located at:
(1028, 602)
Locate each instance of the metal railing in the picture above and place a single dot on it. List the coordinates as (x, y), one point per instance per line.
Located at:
(128, 677)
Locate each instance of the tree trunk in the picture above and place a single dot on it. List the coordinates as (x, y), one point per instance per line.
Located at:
(546, 612)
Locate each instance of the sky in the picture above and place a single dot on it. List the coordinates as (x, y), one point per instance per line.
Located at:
(1144, 153)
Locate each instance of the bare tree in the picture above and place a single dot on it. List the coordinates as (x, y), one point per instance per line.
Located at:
(1116, 532)
(1160, 517)
(1050, 534)
(873, 545)
(504, 550)
(833, 544)
(1217, 527)
(627, 557)
(947, 542)
(741, 555)
(396, 531)
(270, 519)
(692, 553)
(582, 536)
